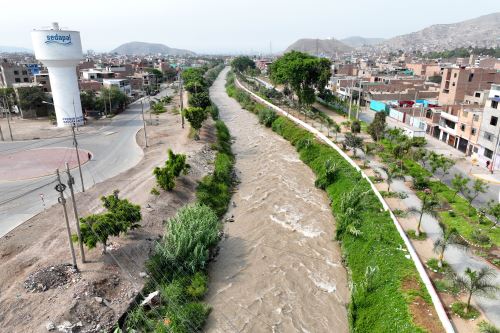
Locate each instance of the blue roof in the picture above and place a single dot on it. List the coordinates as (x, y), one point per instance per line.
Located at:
(496, 99)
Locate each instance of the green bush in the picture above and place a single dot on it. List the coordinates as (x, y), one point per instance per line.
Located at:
(458, 308)
(185, 247)
(485, 327)
(198, 286)
(189, 318)
(120, 217)
(174, 166)
(267, 117)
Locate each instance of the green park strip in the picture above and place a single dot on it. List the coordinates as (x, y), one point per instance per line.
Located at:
(384, 280)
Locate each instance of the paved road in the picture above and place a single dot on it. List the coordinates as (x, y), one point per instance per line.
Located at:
(114, 150)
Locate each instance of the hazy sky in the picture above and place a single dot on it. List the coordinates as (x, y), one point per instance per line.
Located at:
(228, 25)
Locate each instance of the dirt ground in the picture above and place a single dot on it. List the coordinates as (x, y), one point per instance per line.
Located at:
(42, 128)
(93, 299)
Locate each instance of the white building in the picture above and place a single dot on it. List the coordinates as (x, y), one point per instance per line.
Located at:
(490, 128)
(122, 84)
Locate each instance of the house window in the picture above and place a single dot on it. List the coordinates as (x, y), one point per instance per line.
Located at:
(488, 136)
(455, 75)
(471, 76)
(462, 127)
(477, 94)
(453, 84)
(25, 73)
(18, 80)
(493, 121)
(26, 79)
(473, 131)
(476, 149)
(475, 117)
(488, 153)
(494, 104)
(16, 72)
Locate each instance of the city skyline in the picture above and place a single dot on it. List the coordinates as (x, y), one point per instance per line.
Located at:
(229, 27)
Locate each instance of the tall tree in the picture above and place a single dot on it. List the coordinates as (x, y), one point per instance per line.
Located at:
(303, 73)
(377, 128)
(242, 63)
(196, 116)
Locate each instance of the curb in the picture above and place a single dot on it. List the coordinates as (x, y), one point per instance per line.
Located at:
(448, 327)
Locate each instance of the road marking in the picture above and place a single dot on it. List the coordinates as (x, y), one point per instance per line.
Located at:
(108, 133)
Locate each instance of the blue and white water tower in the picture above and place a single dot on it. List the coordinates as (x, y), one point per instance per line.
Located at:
(61, 51)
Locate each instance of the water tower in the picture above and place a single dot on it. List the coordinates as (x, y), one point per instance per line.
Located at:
(61, 51)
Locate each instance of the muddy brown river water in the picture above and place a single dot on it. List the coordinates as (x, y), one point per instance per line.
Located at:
(278, 269)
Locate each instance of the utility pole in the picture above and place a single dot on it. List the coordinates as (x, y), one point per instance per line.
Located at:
(10, 129)
(1, 133)
(350, 98)
(77, 156)
(71, 182)
(74, 110)
(144, 123)
(8, 118)
(60, 187)
(181, 99)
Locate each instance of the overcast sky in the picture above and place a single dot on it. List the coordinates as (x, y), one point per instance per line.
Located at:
(234, 26)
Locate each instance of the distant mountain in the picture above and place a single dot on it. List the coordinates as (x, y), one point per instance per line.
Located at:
(324, 47)
(482, 31)
(14, 49)
(357, 41)
(141, 48)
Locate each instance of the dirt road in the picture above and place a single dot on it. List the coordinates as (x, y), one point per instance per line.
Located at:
(278, 269)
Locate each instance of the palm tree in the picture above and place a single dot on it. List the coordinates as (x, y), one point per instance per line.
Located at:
(450, 237)
(392, 173)
(430, 204)
(477, 283)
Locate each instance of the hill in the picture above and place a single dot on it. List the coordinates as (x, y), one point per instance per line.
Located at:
(14, 49)
(358, 41)
(322, 47)
(478, 32)
(141, 48)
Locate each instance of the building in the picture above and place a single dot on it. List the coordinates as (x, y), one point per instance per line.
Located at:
(122, 84)
(96, 74)
(490, 128)
(11, 73)
(461, 81)
(425, 70)
(43, 80)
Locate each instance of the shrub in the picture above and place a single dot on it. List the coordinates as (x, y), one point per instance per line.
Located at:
(191, 233)
(120, 217)
(267, 117)
(154, 191)
(480, 237)
(418, 142)
(356, 126)
(174, 166)
(198, 286)
(458, 308)
(485, 327)
(413, 235)
(189, 318)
